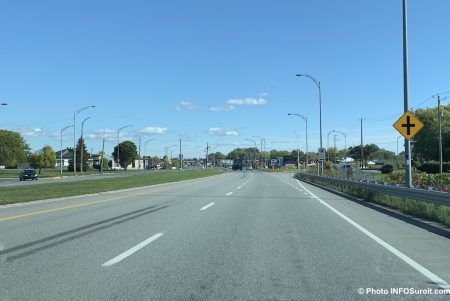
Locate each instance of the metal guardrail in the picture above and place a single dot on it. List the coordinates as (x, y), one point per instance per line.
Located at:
(430, 196)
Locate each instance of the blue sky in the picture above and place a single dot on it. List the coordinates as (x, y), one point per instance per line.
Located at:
(216, 71)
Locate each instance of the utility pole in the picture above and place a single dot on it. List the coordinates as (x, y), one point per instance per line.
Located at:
(362, 145)
(207, 150)
(181, 158)
(440, 133)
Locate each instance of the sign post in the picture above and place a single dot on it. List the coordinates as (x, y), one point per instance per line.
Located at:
(322, 154)
(408, 126)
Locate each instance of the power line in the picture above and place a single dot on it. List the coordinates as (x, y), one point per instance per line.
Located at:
(429, 98)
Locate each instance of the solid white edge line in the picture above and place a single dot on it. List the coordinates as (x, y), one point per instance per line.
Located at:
(207, 206)
(421, 269)
(134, 249)
(229, 193)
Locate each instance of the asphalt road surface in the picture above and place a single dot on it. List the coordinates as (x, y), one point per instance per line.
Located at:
(236, 236)
(8, 182)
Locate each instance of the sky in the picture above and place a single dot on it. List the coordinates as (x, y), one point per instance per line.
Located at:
(217, 71)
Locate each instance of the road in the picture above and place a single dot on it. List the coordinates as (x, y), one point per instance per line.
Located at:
(8, 182)
(236, 236)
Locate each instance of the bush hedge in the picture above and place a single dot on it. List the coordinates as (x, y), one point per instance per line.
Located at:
(433, 167)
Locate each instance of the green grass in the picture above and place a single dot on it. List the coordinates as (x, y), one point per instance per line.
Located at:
(428, 211)
(26, 193)
(47, 173)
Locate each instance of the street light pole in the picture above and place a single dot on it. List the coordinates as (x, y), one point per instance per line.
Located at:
(75, 113)
(328, 143)
(167, 151)
(81, 145)
(260, 157)
(440, 131)
(145, 149)
(60, 154)
(334, 139)
(306, 121)
(345, 142)
(408, 173)
(320, 108)
(254, 157)
(118, 145)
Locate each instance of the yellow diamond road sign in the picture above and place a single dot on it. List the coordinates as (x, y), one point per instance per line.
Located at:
(408, 125)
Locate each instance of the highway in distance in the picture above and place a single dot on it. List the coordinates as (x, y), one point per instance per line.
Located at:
(235, 236)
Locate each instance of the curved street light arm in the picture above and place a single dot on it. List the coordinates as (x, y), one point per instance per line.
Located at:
(311, 78)
(82, 109)
(299, 115)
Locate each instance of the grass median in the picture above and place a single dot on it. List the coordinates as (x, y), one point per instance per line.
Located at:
(26, 193)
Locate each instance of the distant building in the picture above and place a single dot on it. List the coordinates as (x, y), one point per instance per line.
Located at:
(288, 161)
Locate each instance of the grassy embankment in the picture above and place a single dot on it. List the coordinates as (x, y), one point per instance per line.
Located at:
(26, 193)
(428, 211)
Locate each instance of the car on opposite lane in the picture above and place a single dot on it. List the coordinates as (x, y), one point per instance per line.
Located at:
(28, 174)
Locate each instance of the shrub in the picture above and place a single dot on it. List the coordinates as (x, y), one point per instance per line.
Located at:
(433, 167)
(387, 169)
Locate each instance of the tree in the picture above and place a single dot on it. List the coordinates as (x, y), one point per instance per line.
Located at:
(166, 163)
(237, 153)
(175, 163)
(13, 149)
(127, 153)
(217, 156)
(104, 162)
(80, 145)
(45, 158)
(384, 154)
(331, 153)
(279, 153)
(426, 142)
(369, 152)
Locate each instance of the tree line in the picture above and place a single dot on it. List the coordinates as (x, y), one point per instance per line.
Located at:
(425, 148)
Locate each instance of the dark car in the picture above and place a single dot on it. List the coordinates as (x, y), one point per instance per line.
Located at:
(28, 174)
(237, 164)
(387, 169)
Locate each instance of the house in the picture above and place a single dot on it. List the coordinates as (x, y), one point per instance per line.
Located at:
(137, 164)
(67, 155)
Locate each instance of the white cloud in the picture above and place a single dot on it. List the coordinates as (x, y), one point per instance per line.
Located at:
(222, 109)
(107, 134)
(32, 132)
(247, 102)
(222, 132)
(187, 106)
(153, 130)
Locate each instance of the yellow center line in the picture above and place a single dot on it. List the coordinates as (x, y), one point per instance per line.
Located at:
(80, 205)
